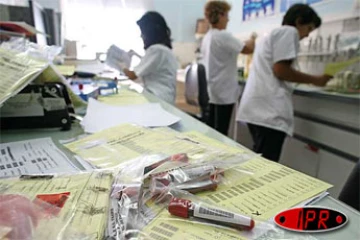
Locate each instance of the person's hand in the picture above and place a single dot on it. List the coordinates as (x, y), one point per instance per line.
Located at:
(253, 36)
(321, 81)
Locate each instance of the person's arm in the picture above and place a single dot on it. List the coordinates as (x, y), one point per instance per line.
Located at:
(283, 71)
(285, 49)
(130, 74)
(249, 47)
(233, 45)
(148, 64)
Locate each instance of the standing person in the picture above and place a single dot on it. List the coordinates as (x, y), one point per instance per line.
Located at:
(266, 104)
(220, 51)
(159, 65)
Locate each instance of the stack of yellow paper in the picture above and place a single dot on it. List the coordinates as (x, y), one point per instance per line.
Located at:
(16, 71)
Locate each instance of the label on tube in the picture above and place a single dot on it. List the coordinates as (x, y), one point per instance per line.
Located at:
(202, 211)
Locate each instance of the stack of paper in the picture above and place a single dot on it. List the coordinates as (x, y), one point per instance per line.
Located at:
(16, 71)
(100, 116)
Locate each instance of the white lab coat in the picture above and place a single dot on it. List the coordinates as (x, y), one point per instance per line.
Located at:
(158, 70)
(220, 51)
(267, 100)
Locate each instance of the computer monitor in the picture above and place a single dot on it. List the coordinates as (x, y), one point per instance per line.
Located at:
(37, 13)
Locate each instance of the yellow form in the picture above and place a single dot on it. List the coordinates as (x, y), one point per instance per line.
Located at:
(16, 71)
(116, 145)
(167, 227)
(66, 70)
(83, 213)
(270, 189)
(124, 97)
(199, 137)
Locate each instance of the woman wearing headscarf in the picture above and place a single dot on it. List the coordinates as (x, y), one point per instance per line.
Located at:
(159, 65)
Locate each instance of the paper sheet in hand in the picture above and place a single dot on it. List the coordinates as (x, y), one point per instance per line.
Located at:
(38, 156)
(334, 68)
(100, 116)
(117, 58)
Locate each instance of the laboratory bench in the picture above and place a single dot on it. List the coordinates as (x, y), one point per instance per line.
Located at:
(326, 140)
(187, 123)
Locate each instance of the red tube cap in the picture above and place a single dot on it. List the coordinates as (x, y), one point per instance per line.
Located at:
(252, 225)
(179, 207)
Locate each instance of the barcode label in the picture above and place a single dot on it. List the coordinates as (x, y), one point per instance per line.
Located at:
(162, 231)
(157, 237)
(169, 227)
(215, 212)
(199, 171)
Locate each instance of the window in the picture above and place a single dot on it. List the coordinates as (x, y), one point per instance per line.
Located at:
(101, 24)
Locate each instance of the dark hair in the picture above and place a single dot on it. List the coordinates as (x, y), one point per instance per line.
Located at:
(304, 13)
(154, 29)
(214, 9)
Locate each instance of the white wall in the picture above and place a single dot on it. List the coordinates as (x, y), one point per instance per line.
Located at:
(181, 16)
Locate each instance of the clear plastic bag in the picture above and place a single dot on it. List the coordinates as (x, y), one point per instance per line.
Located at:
(181, 215)
(127, 192)
(55, 207)
(143, 187)
(42, 52)
(19, 215)
(346, 81)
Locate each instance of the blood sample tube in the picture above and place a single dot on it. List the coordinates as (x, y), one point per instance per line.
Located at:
(186, 209)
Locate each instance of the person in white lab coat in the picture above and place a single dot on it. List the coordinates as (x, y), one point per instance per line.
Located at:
(159, 65)
(266, 104)
(220, 50)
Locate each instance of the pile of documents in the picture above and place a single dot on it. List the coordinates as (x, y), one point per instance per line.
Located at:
(16, 71)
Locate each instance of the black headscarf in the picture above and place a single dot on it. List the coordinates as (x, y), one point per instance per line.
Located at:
(154, 30)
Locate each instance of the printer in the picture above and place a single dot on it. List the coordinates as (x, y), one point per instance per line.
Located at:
(38, 106)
